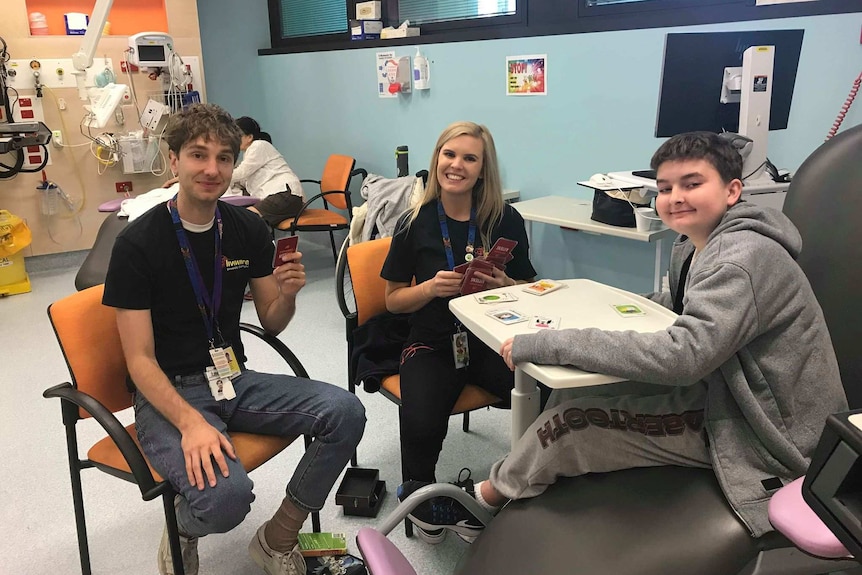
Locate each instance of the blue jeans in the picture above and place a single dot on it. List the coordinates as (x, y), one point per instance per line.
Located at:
(280, 405)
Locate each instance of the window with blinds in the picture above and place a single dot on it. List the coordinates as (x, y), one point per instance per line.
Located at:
(606, 2)
(429, 11)
(312, 17)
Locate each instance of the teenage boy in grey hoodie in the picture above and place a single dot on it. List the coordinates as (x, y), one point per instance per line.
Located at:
(747, 371)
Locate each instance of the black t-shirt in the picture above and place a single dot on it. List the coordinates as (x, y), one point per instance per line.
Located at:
(417, 251)
(147, 271)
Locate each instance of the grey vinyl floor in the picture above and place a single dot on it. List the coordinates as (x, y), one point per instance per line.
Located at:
(37, 528)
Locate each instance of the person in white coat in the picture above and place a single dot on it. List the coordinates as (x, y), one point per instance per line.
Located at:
(264, 174)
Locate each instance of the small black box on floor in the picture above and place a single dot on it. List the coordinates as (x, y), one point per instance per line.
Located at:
(360, 493)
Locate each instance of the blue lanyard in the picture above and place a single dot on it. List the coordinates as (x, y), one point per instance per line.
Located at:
(208, 306)
(447, 243)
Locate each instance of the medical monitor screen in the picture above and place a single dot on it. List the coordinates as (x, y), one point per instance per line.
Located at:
(693, 73)
(152, 54)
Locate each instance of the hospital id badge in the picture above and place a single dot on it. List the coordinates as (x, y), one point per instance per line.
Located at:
(221, 388)
(221, 361)
(232, 361)
(460, 349)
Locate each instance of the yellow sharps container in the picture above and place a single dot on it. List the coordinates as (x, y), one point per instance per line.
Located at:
(14, 237)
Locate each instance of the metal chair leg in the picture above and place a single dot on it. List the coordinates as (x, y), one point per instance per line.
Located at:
(466, 425)
(408, 527)
(173, 532)
(332, 241)
(78, 499)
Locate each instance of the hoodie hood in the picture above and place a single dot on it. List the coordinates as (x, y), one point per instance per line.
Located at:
(767, 222)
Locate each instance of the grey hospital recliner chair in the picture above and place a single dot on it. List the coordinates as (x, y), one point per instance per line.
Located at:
(663, 520)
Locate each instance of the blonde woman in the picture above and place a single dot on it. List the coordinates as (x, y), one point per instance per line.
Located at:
(461, 216)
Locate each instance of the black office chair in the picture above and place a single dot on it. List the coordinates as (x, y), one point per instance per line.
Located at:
(660, 520)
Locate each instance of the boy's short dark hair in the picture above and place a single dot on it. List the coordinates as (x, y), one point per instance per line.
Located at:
(202, 121)
(707, 146)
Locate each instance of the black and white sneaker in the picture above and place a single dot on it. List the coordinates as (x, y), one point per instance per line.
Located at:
(429, 536)
(443, 512)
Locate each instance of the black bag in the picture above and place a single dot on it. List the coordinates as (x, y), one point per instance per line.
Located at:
(613, 211)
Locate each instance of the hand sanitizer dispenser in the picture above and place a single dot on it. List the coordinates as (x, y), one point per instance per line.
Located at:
(421, 79)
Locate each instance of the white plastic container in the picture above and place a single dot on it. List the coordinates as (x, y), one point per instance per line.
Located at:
(421, 79)
(647, 220)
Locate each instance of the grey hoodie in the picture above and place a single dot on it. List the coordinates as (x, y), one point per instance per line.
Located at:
(753, 331)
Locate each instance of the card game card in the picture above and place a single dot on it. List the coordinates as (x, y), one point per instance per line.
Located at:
(495, 297)
(628, 310)
(543, 287)
(507, 316)
(543, 322)
(285, 245)
(501, 250)
(472, 283)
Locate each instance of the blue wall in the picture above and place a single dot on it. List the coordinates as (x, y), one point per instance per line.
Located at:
(599, 115)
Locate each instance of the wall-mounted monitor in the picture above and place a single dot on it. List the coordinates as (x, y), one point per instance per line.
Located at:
(694, 70)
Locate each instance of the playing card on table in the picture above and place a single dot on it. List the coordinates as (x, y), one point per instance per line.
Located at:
(542, 287)
(495, 297)
(507, 316)
(543, 322)
(628, 310)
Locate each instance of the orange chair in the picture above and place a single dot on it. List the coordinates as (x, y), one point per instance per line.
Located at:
(335, 191)
(87, 333)
(358, 273)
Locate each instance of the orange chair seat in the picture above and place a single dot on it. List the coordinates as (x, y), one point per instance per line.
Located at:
(316, 217)
(252, 449)
(472, 397)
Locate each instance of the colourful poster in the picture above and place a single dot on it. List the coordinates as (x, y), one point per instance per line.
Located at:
(387, 67)
(527, 75)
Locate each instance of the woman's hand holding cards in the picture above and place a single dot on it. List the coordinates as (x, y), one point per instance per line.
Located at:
(496, 278)
(445, 284)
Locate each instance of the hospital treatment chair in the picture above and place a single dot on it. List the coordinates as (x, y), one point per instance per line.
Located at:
(90, 342)
(660, 520)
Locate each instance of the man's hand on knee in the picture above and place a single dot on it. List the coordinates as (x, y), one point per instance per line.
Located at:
(203, 443)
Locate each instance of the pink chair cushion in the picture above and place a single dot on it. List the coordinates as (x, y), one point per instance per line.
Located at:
(790, 514)
(381, 556)
(242, 201)
(111, 205)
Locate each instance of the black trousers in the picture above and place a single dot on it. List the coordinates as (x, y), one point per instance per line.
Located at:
(430, 386)
(278, 207)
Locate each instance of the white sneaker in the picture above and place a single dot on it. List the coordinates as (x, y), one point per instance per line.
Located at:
(430, 536)
(188, 550)
(273, 562)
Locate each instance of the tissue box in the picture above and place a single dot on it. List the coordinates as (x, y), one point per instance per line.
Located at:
(365, 29)
(368, 10)
(388, 33)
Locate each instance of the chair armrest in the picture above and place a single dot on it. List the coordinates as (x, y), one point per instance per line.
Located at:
(310, 182)
(359, 171)
(279, 346)
(117, 432)
(308, 203)
(340, 275)
(428, 492)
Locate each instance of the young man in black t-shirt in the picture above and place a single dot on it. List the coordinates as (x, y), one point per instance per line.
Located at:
(177, 277)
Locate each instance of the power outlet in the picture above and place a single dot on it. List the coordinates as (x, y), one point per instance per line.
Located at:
(123, 187)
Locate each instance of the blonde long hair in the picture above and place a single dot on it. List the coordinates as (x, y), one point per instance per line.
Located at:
(487, 193)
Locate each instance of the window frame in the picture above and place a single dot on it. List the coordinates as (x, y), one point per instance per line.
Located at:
(553, 17)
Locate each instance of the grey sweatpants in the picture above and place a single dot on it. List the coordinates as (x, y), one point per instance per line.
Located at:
(595, 432)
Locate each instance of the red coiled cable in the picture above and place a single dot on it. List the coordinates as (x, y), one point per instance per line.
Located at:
(852, 96)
